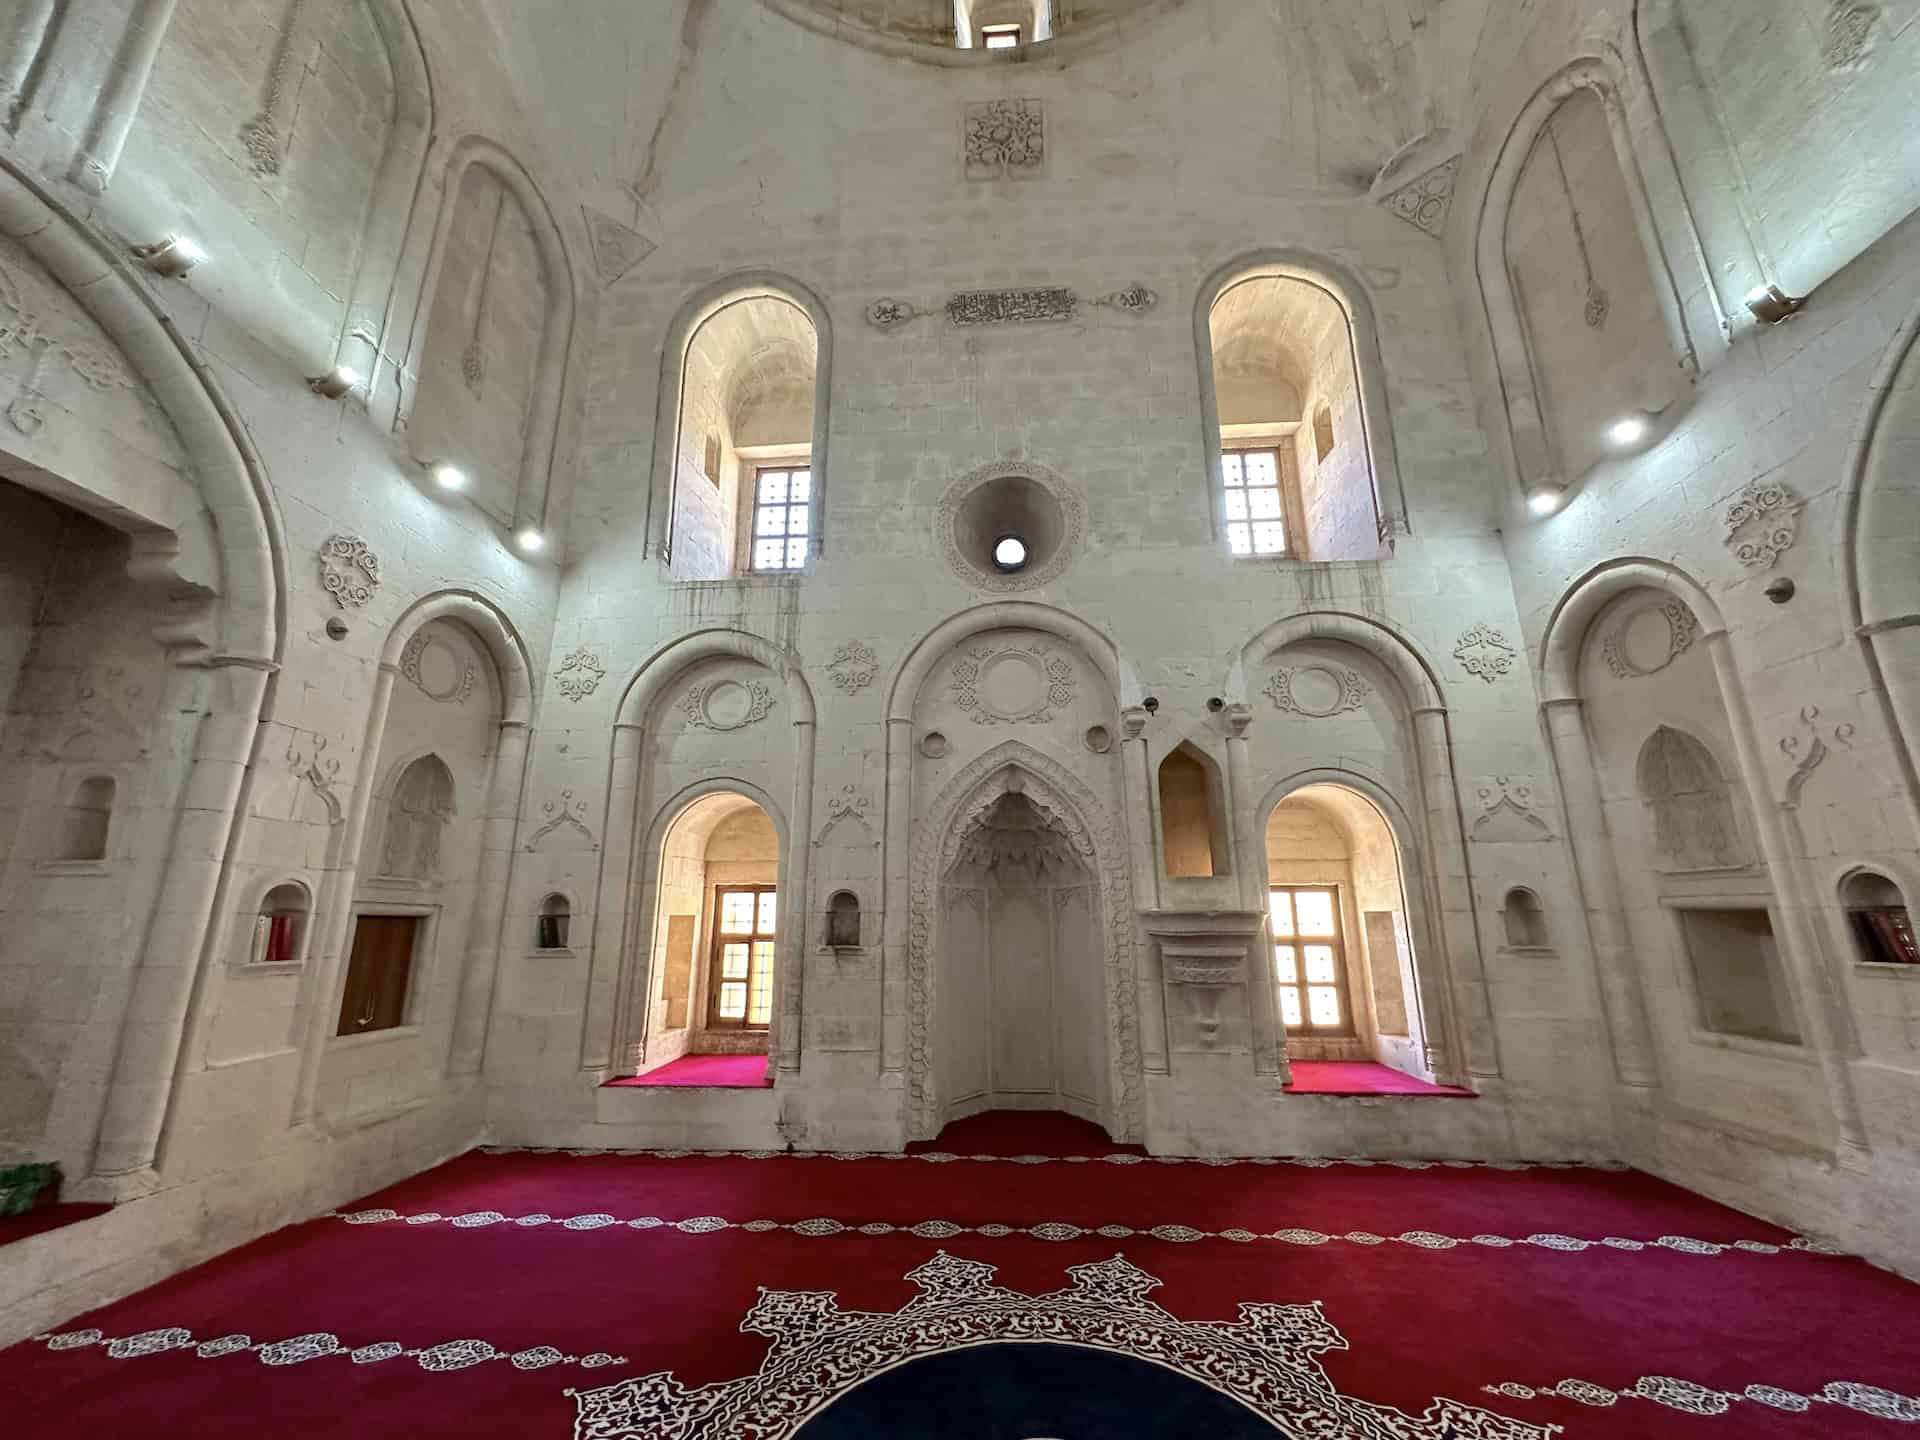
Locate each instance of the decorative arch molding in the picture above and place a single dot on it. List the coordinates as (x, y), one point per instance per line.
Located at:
(1416, 675)
(616, 923)
(541, 450)
(1432, 962)
(699, 308)
(1604, 75)
(934, 646)
(634, 986)
(1065, 800)
(513, 670)
(1564, 639)
(1345, 286)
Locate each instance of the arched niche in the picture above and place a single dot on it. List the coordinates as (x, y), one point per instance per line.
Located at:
(1691, 804)
(493, 336)
(207, 530)
(724, 734)
(1194, 842)
(1349, 918)
(948, 853)
(1375, 696)
(1525, 919)
(1879, 919)
(1562, 276)
(715, 900)
(282, 925)
(703, 389)
(1303, 331)
(421, 868)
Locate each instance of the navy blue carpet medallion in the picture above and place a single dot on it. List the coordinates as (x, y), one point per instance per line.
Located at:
(968, 1358)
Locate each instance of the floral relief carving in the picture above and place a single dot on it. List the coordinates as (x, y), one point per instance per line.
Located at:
(579, 675)
(311, 765)
(1069, 808)
(1762, 522)
(1649, 638)
(1317, 691)
(24, 331)
(1424, 201)
(849, 804)
(1507, 814)
(437, 671)
(349, 570)
(563, 815)
(726, 705)
(1815, 753)
(266, 135)
(1485, 653)
(1013, 685)
(853, 667)
(1005, 140)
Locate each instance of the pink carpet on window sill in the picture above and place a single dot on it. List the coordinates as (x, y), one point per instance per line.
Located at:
(1349, 1077)
(717, 1072)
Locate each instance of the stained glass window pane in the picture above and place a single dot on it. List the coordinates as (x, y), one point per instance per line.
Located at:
(1315, 909)
(1290, 1007)
(1320, 964)
(768, 902)
(1240, 539)
(1283, 965)
(736, 913)
(1280, 911)
(733, 1000)
(1323, 1003)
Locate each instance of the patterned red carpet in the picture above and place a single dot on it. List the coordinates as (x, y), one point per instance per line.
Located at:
(723, 1072)
(978, 1289)
(1348, 1077)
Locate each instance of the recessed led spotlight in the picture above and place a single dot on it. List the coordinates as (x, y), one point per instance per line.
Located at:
(1627, 431)
(531, 541)
(337, 383)
(1009, 553)
(1546, 500)
(1770, 304)
(172, 258)
(449, 477)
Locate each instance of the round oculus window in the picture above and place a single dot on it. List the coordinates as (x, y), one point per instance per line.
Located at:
(1009, 554)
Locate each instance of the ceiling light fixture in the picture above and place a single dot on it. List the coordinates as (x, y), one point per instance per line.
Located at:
(1770, 304)
(336, 384)
(449, 477)
(1545, 499)
(1628, 431)
(172, 258)
(531, 541)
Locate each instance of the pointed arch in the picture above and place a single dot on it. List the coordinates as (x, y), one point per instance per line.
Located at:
(1077, 812)
(930, 649)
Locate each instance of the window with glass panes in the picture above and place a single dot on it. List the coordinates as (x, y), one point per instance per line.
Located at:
(1309, 960)
(1000, 37)
(743, 939)
(1256, 510)
(781, 498)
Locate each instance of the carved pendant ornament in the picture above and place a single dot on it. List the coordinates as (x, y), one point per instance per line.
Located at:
(1485, 653)
(1814, 755)
(349, 570)
(1015, 685)
(853, 667)
(1268, 1360)
(579, 675)
(726, 705)
(1005, 140)
(437, 671)
(265, 136)
(1317, 691)
(1762, 523)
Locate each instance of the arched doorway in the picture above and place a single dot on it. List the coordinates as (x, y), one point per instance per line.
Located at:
(1022, 1002)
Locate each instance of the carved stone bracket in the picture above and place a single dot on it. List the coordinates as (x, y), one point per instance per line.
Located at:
(349, 570)
(1484, 652)
(1762, 522)
(1013, 307)
(579, 675)
(1810, 759)
(853, 667)
(1206, 952)
(1005, 140)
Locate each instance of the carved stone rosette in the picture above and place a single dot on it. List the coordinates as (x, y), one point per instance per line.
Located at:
(853, 667)
(579, 675)
(1005, 140)
(349, 570)
(1317, 691)
(726, 705)
(1485, 653)
(1762, 522)
(1013, 685)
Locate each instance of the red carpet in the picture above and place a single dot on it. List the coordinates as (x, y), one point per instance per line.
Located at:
(47, 1217)
(1348, 1077)
(602, 1296)
(724, 1072)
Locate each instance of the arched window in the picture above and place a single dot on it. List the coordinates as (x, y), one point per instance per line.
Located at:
(554, 924)
(280, 929)
(1001, 24)
(1526, 921)
(843, 921)
(1193, 834)
(87, 821)
(1878, 916)
(1284, 375)
(1692, 806)
(417, 817)
(744, 495)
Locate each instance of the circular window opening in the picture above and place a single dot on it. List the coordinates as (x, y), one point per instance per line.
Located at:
(1009, 554)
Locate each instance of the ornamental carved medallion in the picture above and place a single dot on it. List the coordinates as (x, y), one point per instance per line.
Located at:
(1485, 653)
(1005, 140)
(853, 667)
(1762, 522)
(437, 670)
(579, 675)
(1317, 691)
(349, 570)
(726, 704)
(1013, 685)
(1649, 638)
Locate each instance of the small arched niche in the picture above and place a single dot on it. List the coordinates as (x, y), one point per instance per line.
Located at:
(553, 925)
(1193, 827)
(1283, 350)
(86, 822)
(745, 500)
(1525, 920)
(1691, 803)
(1877, 916)
(843, 921)
(413, 841)
(280, 928)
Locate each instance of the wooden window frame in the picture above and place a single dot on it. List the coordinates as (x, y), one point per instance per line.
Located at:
(1341, 980)
(801, 465)
(716, 975)
(1286, 466)
(425, 929)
